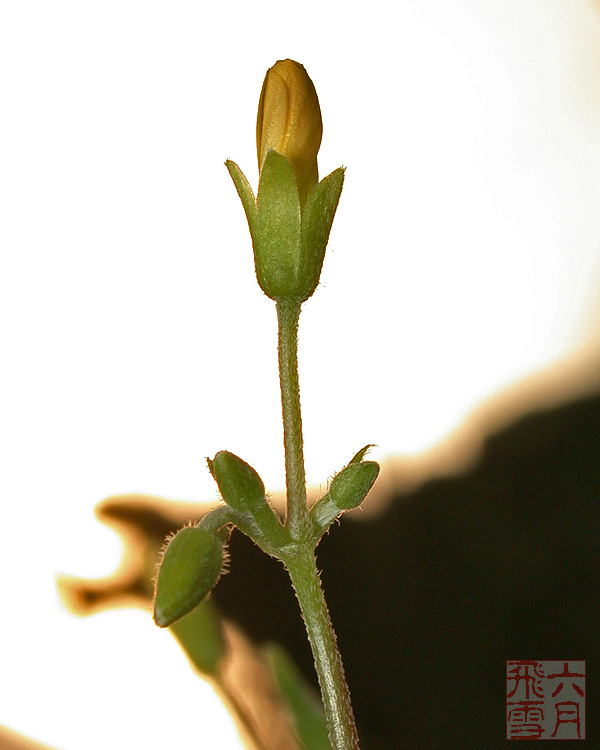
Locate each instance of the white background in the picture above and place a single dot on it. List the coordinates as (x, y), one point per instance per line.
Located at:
(135, 341)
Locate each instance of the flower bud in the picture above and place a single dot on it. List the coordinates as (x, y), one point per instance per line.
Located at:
(350, 487)
(243, 490)
(347, 490)
(189, 570)
(289, 121)
(239, 484)
(290, 218)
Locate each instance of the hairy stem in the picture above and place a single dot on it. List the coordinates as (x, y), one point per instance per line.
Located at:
(300, 559)
(288, 314)
(303, 571)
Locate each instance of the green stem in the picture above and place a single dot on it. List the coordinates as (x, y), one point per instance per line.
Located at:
(288, 314)
(300, 560)
(336, 697)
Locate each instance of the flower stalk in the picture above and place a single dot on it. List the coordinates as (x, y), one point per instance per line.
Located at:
(297, 521)
(289, 220)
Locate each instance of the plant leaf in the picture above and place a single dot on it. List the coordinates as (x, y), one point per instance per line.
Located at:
(200, 635)
(305, 705)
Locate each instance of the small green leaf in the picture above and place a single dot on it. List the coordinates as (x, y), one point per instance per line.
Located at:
(189, 570)
(306, 708)
(200, 635)
(277, 240)
(317, 219)
(350, 487)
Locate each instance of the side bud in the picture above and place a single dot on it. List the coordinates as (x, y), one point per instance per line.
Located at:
(239, 484)
(347, 490)
(350, 487)
(189, 570)
(243, 491)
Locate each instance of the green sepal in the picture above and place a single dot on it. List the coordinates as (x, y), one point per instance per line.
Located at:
(358, 457)
(289, 242)
(246, 194)
(189, 570)
(317, 219)
(277, 237)
(350, 487)
(243, 491)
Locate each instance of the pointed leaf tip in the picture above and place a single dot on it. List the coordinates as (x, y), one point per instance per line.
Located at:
(358, 457)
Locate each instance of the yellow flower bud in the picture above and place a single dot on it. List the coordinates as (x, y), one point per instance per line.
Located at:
(289, 121)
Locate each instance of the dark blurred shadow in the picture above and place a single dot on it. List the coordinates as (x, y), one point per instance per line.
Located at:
(455, 574)
(430, 598)
(568, 380)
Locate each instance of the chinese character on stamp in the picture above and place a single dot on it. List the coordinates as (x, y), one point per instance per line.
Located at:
(545, 700)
